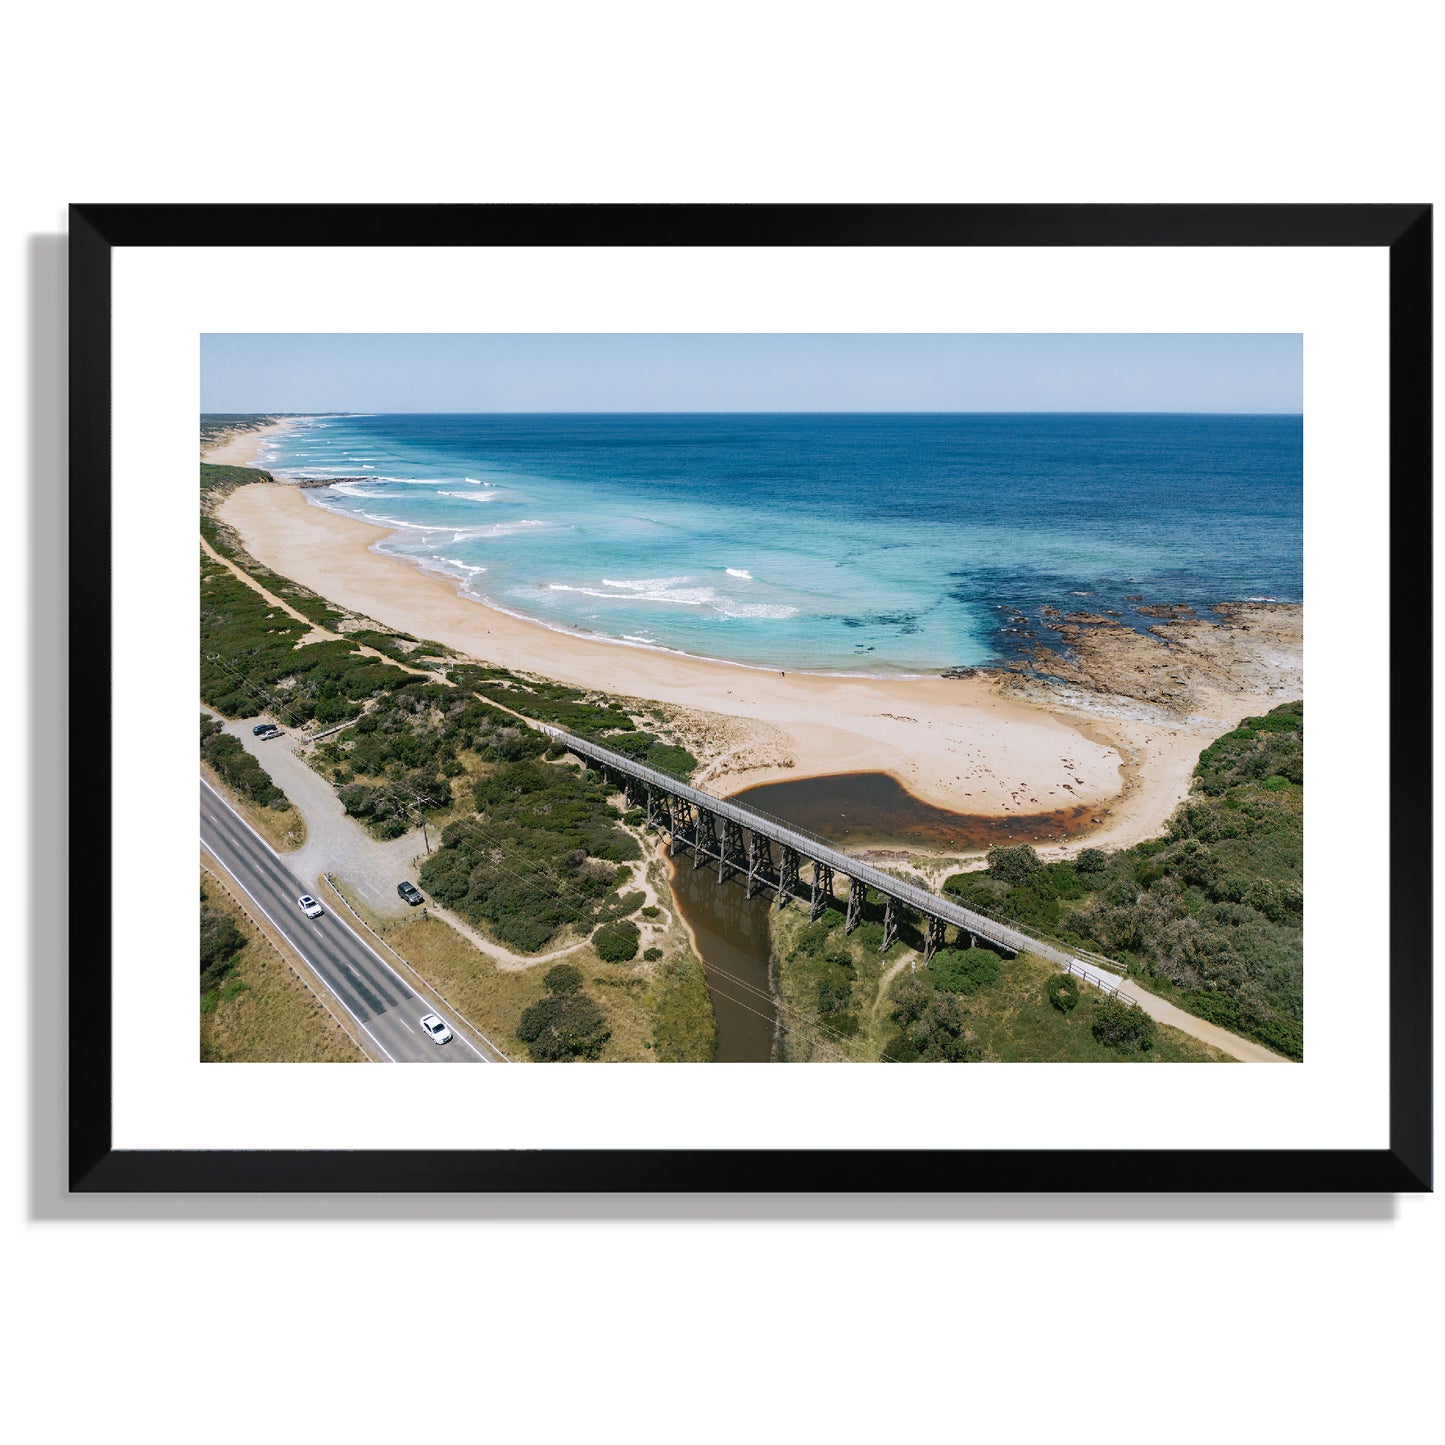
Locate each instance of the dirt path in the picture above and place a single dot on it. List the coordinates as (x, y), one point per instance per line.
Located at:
(1164, 1012)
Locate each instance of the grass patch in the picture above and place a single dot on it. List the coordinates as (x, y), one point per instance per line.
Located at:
(284, 829)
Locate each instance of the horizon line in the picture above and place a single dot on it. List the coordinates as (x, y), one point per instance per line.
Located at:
(790, 411)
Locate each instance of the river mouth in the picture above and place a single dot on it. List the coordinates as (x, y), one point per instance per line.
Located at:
(851, 810)
(874, 810)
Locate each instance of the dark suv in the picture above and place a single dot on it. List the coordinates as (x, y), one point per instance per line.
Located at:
(261, 729)
(410, 892)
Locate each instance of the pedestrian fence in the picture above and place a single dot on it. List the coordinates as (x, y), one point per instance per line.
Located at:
(1107, 983)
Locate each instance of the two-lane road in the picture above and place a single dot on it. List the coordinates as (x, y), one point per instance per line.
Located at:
(387, 1009)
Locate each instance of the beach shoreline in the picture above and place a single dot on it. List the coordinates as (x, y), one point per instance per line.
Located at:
(238, 447)
(971, 745)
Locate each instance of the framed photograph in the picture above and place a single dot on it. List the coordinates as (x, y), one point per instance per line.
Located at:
(681, 642)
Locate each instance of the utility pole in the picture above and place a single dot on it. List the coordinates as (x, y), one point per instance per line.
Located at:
(418, 799)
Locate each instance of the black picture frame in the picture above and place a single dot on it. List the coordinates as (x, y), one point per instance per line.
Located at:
(1406, 230)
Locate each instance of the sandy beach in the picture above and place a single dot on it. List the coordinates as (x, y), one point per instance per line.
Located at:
(972, 745)
(238, 447)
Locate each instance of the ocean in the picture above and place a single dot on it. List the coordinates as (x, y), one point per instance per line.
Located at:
(852, 543)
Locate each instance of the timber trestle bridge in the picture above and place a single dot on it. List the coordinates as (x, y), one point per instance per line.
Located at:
(740, 841)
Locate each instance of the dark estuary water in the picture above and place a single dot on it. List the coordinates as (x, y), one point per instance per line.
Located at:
(731, 934)
(873, 810)
(852, 810)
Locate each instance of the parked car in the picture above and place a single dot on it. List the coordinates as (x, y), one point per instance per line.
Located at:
(309, 906)
(261, 729)
(440, 1033)
(410, 892)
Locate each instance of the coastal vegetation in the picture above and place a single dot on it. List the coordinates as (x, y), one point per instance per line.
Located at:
(575, 710)
(254, 1008)
(253, 659)
(840, 999)
(1211, 914)
(217, 426)
(545, 851)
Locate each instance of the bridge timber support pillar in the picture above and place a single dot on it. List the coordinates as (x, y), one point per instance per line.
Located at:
(704, 839)
(966, 939)
(932, 937)
(760, 862)
(659, 810)
(857, 894)
(890, 923)
(731, 854)
(822, 890)
(787, 875)
(680, 815)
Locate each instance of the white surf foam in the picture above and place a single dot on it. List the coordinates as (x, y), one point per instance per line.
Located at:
(497, 529)
(672, 590)
(738, 572)
(362, 489)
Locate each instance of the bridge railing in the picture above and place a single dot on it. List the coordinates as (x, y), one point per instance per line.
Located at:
(1107, 983)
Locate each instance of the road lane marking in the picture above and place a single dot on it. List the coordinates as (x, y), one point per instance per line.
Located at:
(359, 1023)
(258, 856)
(246, 850)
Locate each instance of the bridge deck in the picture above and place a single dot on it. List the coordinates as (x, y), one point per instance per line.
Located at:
(820, 851)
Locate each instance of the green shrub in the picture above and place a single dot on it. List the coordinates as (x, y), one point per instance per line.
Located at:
(562, 979)
(652, 954)
(617, 942)
(910, 994)
(939, 1033)
(1013, 865)
(964, 972)
(1123, 1026)
(562, 1027)
(651, 911)
(1092, 860)
(238, 769)
(1063, 992)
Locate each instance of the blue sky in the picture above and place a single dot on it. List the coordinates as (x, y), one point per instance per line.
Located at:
(751, 372)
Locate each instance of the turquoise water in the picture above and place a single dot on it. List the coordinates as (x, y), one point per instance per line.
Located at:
(850, 543)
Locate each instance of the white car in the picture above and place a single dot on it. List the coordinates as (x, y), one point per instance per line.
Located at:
(309, 906)
(440, 1033)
